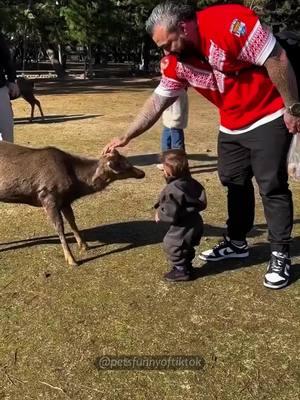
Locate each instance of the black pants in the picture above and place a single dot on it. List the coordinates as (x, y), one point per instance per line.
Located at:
(261, 153)
(180, 241)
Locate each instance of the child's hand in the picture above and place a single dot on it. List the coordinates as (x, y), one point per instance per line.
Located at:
(157, 217)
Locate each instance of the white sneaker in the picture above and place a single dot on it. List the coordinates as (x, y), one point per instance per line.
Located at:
(225, 249)
(278, 273)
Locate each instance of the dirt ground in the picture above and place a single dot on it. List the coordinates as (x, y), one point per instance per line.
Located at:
(56, 320)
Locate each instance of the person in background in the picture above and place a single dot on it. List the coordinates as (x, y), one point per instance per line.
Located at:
(174, 121)
(8, 90)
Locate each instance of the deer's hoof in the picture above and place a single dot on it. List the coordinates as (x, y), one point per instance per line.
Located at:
(72, 263)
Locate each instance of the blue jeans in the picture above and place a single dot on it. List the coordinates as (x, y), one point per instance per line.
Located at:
(172, 138)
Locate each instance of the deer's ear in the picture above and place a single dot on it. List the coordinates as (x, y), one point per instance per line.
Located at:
(112, 167)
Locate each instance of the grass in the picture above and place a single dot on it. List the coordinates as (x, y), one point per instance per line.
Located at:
(56, 320)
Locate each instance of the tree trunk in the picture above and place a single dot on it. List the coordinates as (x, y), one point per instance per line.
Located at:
(88, 65)
(60, 58)
(145, 54)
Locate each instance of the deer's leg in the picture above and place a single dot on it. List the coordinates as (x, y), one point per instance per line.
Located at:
(56, 218)
(69, 216)
(32, 112)
(38, 103)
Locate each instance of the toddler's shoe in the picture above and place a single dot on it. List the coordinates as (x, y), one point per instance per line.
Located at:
(178, 274)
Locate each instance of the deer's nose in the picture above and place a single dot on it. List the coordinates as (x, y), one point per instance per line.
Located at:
(138, 173)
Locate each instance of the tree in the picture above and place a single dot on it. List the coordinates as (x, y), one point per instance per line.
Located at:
(112, 27)
(283, 14)
(51, 30)
(87, 21)
(38, 24)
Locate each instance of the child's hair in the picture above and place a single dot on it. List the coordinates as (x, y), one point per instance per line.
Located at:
(176, 160)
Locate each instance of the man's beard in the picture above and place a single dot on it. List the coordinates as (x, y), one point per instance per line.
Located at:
(189, 50)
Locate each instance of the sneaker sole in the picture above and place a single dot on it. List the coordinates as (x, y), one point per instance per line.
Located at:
(205, 258)
(270, 286)
(178, 280)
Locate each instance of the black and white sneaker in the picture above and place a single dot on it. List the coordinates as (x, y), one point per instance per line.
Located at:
(278, 273)
(225, 249)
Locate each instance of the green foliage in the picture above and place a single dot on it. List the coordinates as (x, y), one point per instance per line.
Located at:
(87, 20)
(283, 13)
(111, 26)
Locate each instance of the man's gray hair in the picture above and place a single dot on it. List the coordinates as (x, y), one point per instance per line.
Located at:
(169, 14)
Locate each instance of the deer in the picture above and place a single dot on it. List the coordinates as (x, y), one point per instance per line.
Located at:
(26, 87)
(53, 179)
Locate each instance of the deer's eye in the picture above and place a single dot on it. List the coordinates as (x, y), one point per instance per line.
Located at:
(117, 165)
(114, 166)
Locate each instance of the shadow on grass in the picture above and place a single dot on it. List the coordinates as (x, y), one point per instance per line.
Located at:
(133, 234)
(99, 85)
(142, 160)
(53, 119)
(259, 253)
(208, 163)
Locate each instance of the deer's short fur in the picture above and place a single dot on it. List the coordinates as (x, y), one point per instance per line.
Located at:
(26, 87)
(53, 179)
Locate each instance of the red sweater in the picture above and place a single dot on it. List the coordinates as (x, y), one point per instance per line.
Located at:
(235, 46)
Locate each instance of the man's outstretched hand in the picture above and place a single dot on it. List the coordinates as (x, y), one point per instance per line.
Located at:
(114, 143)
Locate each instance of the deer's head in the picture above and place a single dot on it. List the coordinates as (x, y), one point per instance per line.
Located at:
(113, 166)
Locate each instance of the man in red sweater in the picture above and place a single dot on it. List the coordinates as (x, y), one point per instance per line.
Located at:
(228, 56)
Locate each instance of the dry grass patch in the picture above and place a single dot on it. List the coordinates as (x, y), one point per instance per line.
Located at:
(56, 320)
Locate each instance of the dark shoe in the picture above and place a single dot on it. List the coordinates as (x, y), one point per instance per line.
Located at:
(225, 249)
(178, 274)
(278, 273)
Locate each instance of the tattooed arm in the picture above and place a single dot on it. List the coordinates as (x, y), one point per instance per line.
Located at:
(150, 113)
(283, 76)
